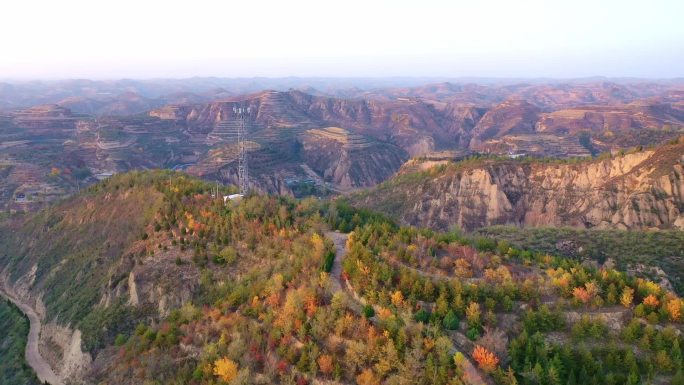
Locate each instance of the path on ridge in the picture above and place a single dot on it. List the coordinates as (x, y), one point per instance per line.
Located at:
(33, 357)
(340, 241)
(471, 375)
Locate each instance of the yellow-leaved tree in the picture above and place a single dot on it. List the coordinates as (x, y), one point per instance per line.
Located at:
(226, 369)
(473, 313)
(627, 297)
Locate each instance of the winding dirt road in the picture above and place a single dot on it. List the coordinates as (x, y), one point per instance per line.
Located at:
(33, 357)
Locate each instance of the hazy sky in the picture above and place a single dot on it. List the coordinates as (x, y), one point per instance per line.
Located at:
(495, 38)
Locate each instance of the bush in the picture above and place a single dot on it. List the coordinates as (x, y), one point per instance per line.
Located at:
(368, 311)
(120, 340)
(484, 244)
(228, 255)
(473, 334)
(421, 316)
(328, 261)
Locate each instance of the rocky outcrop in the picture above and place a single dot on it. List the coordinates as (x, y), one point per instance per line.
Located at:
(639, 190)
(148, 284)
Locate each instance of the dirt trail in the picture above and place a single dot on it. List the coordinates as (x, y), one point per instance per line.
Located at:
(340, 241)
(471, 375)
(33, 357)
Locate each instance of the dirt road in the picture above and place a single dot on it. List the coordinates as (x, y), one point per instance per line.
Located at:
(340, 241)
(33, 357)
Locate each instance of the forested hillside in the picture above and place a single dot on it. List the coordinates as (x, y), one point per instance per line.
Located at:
(174, 286)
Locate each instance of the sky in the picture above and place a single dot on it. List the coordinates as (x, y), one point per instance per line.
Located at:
(353, 38)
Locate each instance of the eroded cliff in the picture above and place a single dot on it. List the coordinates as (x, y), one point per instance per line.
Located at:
(638, 190)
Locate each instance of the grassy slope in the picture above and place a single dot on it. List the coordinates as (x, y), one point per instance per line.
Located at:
(13, 367)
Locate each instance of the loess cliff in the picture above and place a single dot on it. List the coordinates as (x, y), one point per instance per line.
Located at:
(635, 191)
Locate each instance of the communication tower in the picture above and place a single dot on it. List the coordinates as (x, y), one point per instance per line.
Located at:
(241, 114)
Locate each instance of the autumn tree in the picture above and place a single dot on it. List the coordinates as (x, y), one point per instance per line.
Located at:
(627, 297)
(397, 298)
(367, 377)
(325, 363)
(674, 309)
(485, 359)
(473, 313)
(226, 369)
(581, 294)
(462, 268)
(651, 301)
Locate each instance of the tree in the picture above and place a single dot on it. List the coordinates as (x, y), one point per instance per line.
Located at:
(225, 369)
(367, 377)
(627, 297)
(463, 268)
(422, 316)
(581, 294)
(473, 313)
(651, 301)
(674, 309)
(318, 246)
(442, 304)
(663, 361)
(325, 363)
(485, 359)
(397, 298)
(676, 353)
(450, 321)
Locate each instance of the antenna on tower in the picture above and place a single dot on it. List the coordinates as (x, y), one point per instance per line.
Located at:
(243, 170)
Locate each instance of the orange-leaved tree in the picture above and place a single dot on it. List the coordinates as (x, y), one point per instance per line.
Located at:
(485, 359)
(651, 301)
(674, 309)
(581, 294)
(325, 363)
